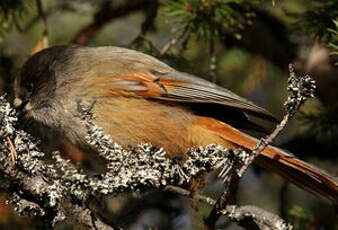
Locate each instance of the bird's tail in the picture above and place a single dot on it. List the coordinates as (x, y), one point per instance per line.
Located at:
(274, 159)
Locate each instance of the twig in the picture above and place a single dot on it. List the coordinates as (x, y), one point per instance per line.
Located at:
(273, 43)
(148, 23)
(48, 12)
(301, 89)
(173, 41)
(247, 215)
(183, 46)
(213, 61)
(223, 201)
(105, 15)
(187, 193)
(264, 142)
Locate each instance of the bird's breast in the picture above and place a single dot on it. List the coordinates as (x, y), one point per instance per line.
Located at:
(131, 121)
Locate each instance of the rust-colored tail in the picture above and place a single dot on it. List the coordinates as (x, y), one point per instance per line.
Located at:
(292, 169)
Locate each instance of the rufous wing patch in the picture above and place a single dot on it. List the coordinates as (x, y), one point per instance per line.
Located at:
(137, 84)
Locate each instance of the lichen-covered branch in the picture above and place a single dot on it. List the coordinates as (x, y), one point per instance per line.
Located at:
(35, 188)
(301, 88)
(246, 216)
(56, 190)
(252, 217)
(60, 191)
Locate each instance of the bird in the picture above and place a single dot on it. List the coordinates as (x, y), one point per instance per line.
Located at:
(137, 98)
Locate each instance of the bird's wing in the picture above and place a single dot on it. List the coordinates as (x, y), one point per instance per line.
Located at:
(180, 87)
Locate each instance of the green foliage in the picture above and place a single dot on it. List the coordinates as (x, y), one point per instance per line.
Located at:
(301, 213)
(301, 218)
(10, 12)
(323, 124)
(334, 43)
(208, 19)
(317, 18)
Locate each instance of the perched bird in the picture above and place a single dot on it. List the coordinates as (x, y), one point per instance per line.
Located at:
(136, 98)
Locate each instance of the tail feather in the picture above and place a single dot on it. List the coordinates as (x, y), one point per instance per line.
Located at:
(310, 179)
(292, 169)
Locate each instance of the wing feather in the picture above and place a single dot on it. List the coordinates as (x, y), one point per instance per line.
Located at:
(195, 90)
(182, 87)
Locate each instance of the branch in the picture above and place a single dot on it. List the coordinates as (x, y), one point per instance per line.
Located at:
(48, 12)
(253, 217)
(148, 23)
(35, 188)
(266, 37)
(60, 190)
(244, 215)
(173, 41)
(105, 15)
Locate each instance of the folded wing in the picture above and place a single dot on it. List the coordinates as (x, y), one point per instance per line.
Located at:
(185, 88)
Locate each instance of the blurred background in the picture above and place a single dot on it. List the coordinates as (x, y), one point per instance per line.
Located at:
(244, 46)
